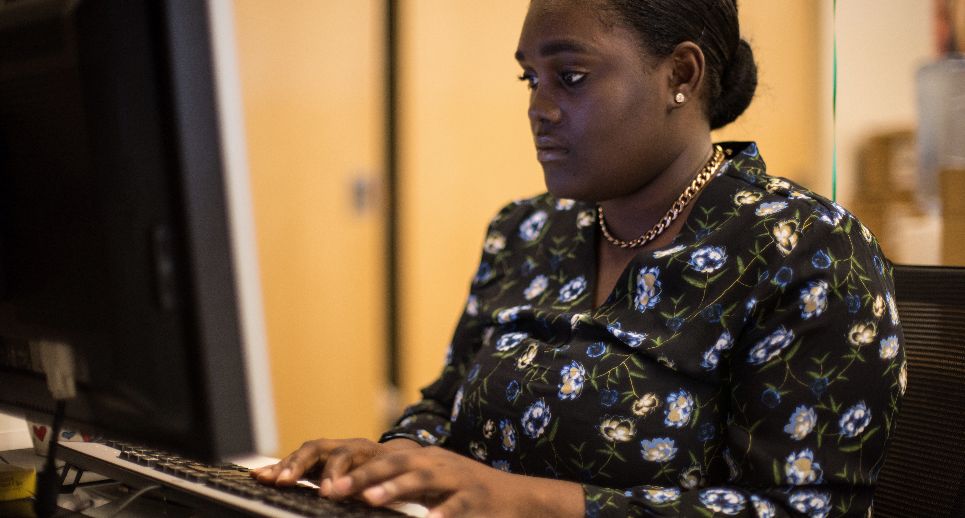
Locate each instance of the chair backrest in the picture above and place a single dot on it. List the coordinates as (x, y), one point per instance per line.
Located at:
(924, 472)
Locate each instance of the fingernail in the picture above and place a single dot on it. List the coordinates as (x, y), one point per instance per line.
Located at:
(285, 473)
(342, 485)
(325, 488)
(375, 494)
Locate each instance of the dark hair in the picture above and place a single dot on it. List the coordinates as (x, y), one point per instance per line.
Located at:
(731, 74)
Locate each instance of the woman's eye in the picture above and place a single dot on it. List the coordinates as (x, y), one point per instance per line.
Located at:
(572, 78)
(530, 79)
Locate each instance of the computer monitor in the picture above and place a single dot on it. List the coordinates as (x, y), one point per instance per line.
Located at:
(126, 233)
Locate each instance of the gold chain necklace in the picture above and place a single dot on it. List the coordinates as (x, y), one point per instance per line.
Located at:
(685, 197)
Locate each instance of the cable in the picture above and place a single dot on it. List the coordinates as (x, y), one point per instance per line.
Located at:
(5, 461)
(132, 498)
(48, 480)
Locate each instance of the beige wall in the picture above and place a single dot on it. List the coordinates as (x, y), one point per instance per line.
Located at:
(312, 89)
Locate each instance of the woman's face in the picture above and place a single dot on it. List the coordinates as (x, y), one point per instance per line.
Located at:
(599, 107)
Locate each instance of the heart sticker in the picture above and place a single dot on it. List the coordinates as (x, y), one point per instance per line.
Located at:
(40, 432)
(67, 434)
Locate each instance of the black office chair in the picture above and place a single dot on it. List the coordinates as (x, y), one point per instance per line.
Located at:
(924, 473)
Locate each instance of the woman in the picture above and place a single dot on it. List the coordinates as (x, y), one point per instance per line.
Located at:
(742, 356)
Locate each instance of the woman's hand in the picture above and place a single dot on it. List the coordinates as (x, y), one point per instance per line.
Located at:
(451, 485)
(334, 457)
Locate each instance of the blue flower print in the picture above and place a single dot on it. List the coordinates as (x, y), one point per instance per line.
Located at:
(536, 287)
(878, 264)
(801, 423)
(483, 274)
(658, 450)
(770, 346)
(712, 355)
(800, 468)
(592, 510)
(819, 386)
(814, 299)
(769, 208)
(892, 309)
(596, 349)
(712, 313)
(508, 431)
(502, 465)
(571, 386)
(565, 204)
(473, 373)
(812, 503)
(530, 229)
(457, 404)
(854, 302)
(854, 420)
(512, 391)
(821, 260)
(572, 290)
(608, 397)
(680, 405)
(706, 432)
(508, 315)
(628, 337)
(783, 276)
(771, 398)
(536, 418)
(527, 267)
(763, 507)
(763, 276)
(648, 288)
(703, 233)
(674, 324)
(661, 495)
(726, 501)
(708, 259)
(888, 347)
(510, 341)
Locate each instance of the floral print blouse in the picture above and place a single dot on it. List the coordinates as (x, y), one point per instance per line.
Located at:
(752, 368)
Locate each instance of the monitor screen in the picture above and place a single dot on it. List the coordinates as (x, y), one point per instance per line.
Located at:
(126, 234)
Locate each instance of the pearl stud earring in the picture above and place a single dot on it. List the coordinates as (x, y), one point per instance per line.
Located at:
(680, 98)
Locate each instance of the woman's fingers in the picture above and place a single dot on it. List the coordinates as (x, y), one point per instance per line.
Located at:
(410, 487)
(340, 461)
(288, 470)
(374, 472)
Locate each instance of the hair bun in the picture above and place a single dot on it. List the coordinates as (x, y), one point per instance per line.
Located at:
(737, 86)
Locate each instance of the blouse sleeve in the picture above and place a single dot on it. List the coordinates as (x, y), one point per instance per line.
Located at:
(814, 383)
(428, 421)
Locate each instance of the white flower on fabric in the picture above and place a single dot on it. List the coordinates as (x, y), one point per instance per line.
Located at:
(767, 209)
(658, 450)
(646, 404)
(495, 243)
(426, 437)
(776, 184)
(585, 219)
(472, 306)
(489, 429)
(866, 234)
(572, 290)
(854, 420)
(564, 204)
(786, 235)
(801, 423)
(536, 418)
(747, 197)
(814, 299)
(726, 501)
(532, 227)
(526, 359)
(903, 377)
(660, 254)
(661, 495)
(763, 507)
(571, 385)
(889, 347)
(536, 287)
(511, 314)
(510, 341)
(878, 307)
(770, 346)
(478, 450)
(508, 435)
(502, 465)
(892, 309)
(708, 259)
(801, 469)
(617, 429)
(680, 406)
(862, 333)
(812, 503)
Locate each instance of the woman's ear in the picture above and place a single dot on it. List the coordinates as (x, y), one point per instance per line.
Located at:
(686, 80)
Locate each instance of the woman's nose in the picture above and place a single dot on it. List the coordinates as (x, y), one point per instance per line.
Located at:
(543, 108)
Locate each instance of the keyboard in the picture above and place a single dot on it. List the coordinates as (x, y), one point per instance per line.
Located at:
(213, 489)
